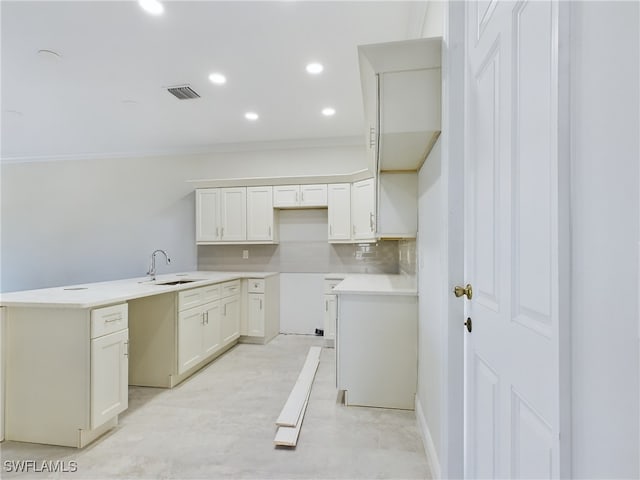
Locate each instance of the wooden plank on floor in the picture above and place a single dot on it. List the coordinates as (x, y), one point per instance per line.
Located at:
(288, 436)
(292, 410)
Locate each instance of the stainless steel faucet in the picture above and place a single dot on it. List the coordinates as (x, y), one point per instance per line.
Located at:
(152, 268)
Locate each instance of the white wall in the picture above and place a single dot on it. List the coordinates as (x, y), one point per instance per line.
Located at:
(431, 311)
(66, 222)
(605, 212)
(434, 19)
(440, 243)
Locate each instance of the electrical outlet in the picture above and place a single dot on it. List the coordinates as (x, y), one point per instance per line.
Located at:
(245, 254)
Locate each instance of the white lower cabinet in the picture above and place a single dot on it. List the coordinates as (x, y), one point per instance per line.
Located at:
(261, 312)
(81, 357)
(377, 350)
(230, 319)
(198, 334)
(330, 316)
(109, 376)
(211, 333)
(190, 324)
(255, 315)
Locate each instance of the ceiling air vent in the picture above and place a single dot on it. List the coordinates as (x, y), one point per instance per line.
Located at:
(183, 92)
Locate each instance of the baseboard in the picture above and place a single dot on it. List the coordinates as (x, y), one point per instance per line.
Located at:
(427, 441)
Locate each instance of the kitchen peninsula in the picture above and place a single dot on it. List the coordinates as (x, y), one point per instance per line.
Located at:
(84, 344)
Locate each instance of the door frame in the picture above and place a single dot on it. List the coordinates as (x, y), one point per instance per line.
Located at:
(453, 461)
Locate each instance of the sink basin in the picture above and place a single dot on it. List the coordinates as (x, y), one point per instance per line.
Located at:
(176, 282)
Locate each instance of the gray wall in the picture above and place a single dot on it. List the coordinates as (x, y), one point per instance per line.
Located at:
(605, 211)
(76, 221)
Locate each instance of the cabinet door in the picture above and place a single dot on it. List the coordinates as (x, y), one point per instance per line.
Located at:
(207, 215)
(109, 376)
(233, 213)
(313, 195)
(230, 319)
(339, 212)
(286, 196)
(255, 315)
(330, 315)
(260, 216)
(189, 338)
(362, 209)
(211, 332)
(370, 95)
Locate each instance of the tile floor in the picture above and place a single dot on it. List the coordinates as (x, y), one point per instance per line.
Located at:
(220, 424)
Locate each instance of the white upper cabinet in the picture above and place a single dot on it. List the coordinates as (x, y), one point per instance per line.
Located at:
(296, 196)
(397, 205)
(260, 215)
(409, 117)
(286, 196)
(221, 215)
(313, 195)
(369, 84)
(233, 214)
(208, 215)
(363, 203)
(339, 212)
(401, 87)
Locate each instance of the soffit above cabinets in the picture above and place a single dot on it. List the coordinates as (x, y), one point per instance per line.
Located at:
(405, 79)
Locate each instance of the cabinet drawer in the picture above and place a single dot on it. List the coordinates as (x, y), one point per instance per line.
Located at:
(109, 319)
(210, 293)
(190, 298)
(229, 288)
(329, 284)
(256, 285)
(198, 296)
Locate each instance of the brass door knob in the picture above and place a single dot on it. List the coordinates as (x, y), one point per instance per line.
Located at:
(460, 291)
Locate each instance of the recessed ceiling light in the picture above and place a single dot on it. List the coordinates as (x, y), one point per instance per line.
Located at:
(154, 7)
(253, 116)
(218, 78)
(328, 112)
(315, 68)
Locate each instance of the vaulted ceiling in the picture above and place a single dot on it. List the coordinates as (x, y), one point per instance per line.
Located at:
(103, 90)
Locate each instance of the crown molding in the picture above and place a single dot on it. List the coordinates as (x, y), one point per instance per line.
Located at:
(289, 144)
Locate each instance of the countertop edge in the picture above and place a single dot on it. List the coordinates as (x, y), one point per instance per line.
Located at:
(136, 281)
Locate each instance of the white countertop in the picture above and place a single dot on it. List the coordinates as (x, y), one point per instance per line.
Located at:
(374, 284)
(335, 276)
(89, 295)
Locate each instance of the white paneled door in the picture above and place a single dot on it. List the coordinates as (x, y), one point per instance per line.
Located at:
(512, 240)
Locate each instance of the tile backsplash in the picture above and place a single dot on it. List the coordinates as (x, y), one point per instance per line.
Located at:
(302, 257)
(303, 248)
(407, 257)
